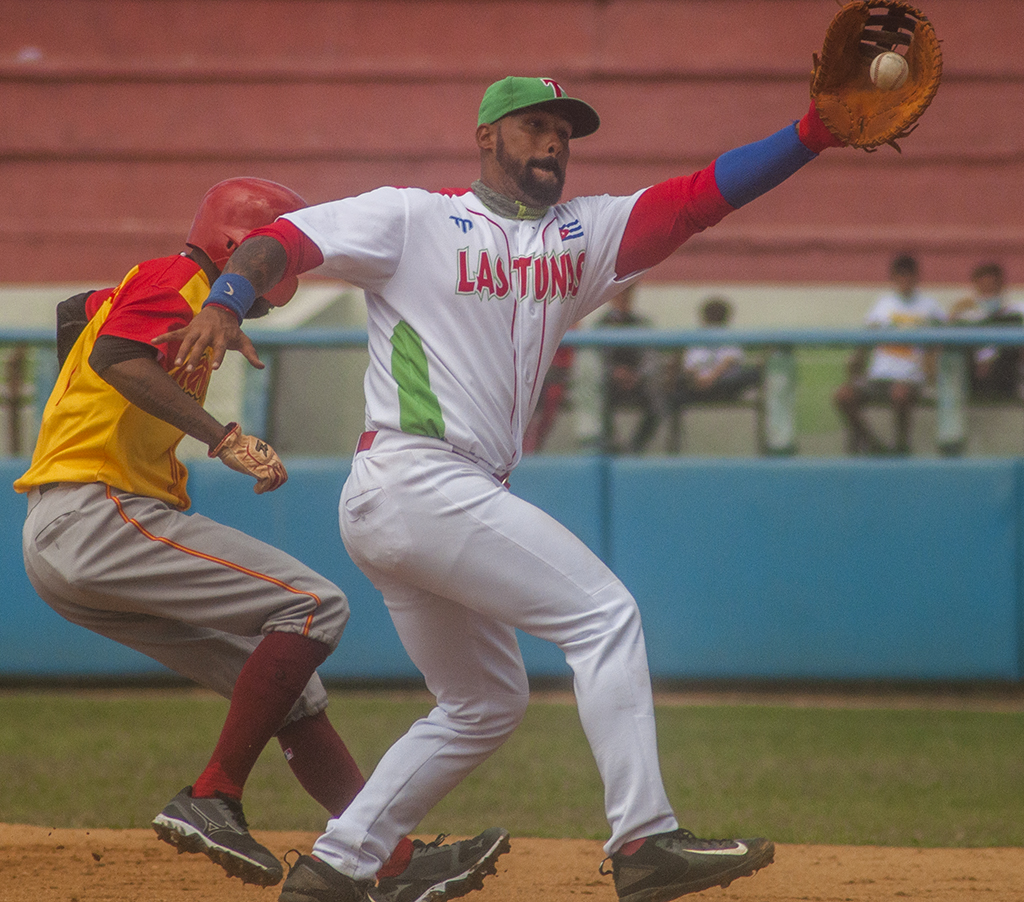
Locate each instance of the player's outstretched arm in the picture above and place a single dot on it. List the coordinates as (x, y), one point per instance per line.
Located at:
(851, 105)
(255, 267)
(669, 213)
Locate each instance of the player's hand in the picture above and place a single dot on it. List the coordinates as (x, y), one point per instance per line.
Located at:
(252, 456)
(213, 327)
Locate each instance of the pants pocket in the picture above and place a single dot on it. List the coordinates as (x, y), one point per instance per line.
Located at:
(53, 530)
(364, 503)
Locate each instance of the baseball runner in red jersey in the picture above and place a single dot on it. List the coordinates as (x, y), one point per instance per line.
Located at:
(108, 546)
(468, 295)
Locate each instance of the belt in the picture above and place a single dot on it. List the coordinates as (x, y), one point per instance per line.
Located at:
(45, 487)
(366, 442)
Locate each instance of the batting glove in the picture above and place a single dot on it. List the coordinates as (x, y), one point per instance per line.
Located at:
(252, 456)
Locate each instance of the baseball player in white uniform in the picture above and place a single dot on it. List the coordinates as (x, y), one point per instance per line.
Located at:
(468, 294)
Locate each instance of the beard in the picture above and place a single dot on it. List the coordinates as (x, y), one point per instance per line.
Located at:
(545, 192)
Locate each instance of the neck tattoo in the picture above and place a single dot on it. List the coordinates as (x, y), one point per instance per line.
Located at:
(505, 206)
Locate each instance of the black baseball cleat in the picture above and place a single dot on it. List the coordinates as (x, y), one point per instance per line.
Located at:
(670, 865)
(217, 828)
(437, 872)
(311, 880)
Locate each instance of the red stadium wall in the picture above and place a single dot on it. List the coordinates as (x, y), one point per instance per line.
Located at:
(118, 115)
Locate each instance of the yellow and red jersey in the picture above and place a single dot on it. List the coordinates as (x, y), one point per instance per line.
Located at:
(90, 432)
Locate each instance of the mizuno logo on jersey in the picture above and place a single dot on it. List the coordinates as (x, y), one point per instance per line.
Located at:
(464, 224)
(544, 277)
(570, 230)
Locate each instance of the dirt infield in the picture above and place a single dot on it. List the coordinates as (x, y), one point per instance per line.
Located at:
(42, 865)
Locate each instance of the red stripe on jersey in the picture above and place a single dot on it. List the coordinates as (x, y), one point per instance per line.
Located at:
(515, 308)
(666, 215)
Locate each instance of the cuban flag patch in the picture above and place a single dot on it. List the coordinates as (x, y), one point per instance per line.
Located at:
(570, 230)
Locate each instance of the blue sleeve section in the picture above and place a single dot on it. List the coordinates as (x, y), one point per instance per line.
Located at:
(749, 171)
(233, 291)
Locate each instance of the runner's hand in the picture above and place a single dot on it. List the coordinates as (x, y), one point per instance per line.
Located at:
(215, 328)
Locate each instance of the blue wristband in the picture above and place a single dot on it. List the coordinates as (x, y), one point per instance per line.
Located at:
(233, 291)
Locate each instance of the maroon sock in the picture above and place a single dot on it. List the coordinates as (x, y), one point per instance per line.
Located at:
(323, 765)
(321, 761)
(268, 686)
(398, 861)
(632, 846)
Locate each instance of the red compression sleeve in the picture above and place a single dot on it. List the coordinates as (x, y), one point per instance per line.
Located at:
(303, 254)
(813, 133)
(665, 215)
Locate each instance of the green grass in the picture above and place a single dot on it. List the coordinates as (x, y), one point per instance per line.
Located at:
(819, 372)
(920, 777)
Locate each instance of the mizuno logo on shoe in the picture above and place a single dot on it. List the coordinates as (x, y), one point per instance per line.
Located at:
(210, 824)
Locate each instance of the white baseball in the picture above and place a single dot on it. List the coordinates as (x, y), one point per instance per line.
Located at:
(889, 71)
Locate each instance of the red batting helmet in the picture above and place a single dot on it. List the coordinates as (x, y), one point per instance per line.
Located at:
(231, 210)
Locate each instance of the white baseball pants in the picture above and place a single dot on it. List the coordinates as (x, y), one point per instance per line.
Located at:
(462, 562)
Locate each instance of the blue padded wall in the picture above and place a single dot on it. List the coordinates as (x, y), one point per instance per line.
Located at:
(822, 569)
(743, 568)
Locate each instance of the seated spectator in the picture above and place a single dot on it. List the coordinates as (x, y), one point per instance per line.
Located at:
(554, 395)
(995, 372)
(631, 378)
(716, 372)
(895, 373)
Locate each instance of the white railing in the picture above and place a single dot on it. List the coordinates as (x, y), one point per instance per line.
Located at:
(27, 379)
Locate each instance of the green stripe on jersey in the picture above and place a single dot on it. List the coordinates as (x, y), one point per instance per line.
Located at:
(419, 411)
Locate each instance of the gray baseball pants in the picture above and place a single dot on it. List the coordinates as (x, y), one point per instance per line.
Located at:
(189, 592)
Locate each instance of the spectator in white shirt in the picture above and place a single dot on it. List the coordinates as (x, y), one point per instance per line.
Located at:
(895, 373)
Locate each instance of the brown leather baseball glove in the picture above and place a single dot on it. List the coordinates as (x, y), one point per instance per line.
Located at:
(852, 108)
(252, 456)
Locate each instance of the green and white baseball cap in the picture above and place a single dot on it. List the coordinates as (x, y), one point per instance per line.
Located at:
(516, 93)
